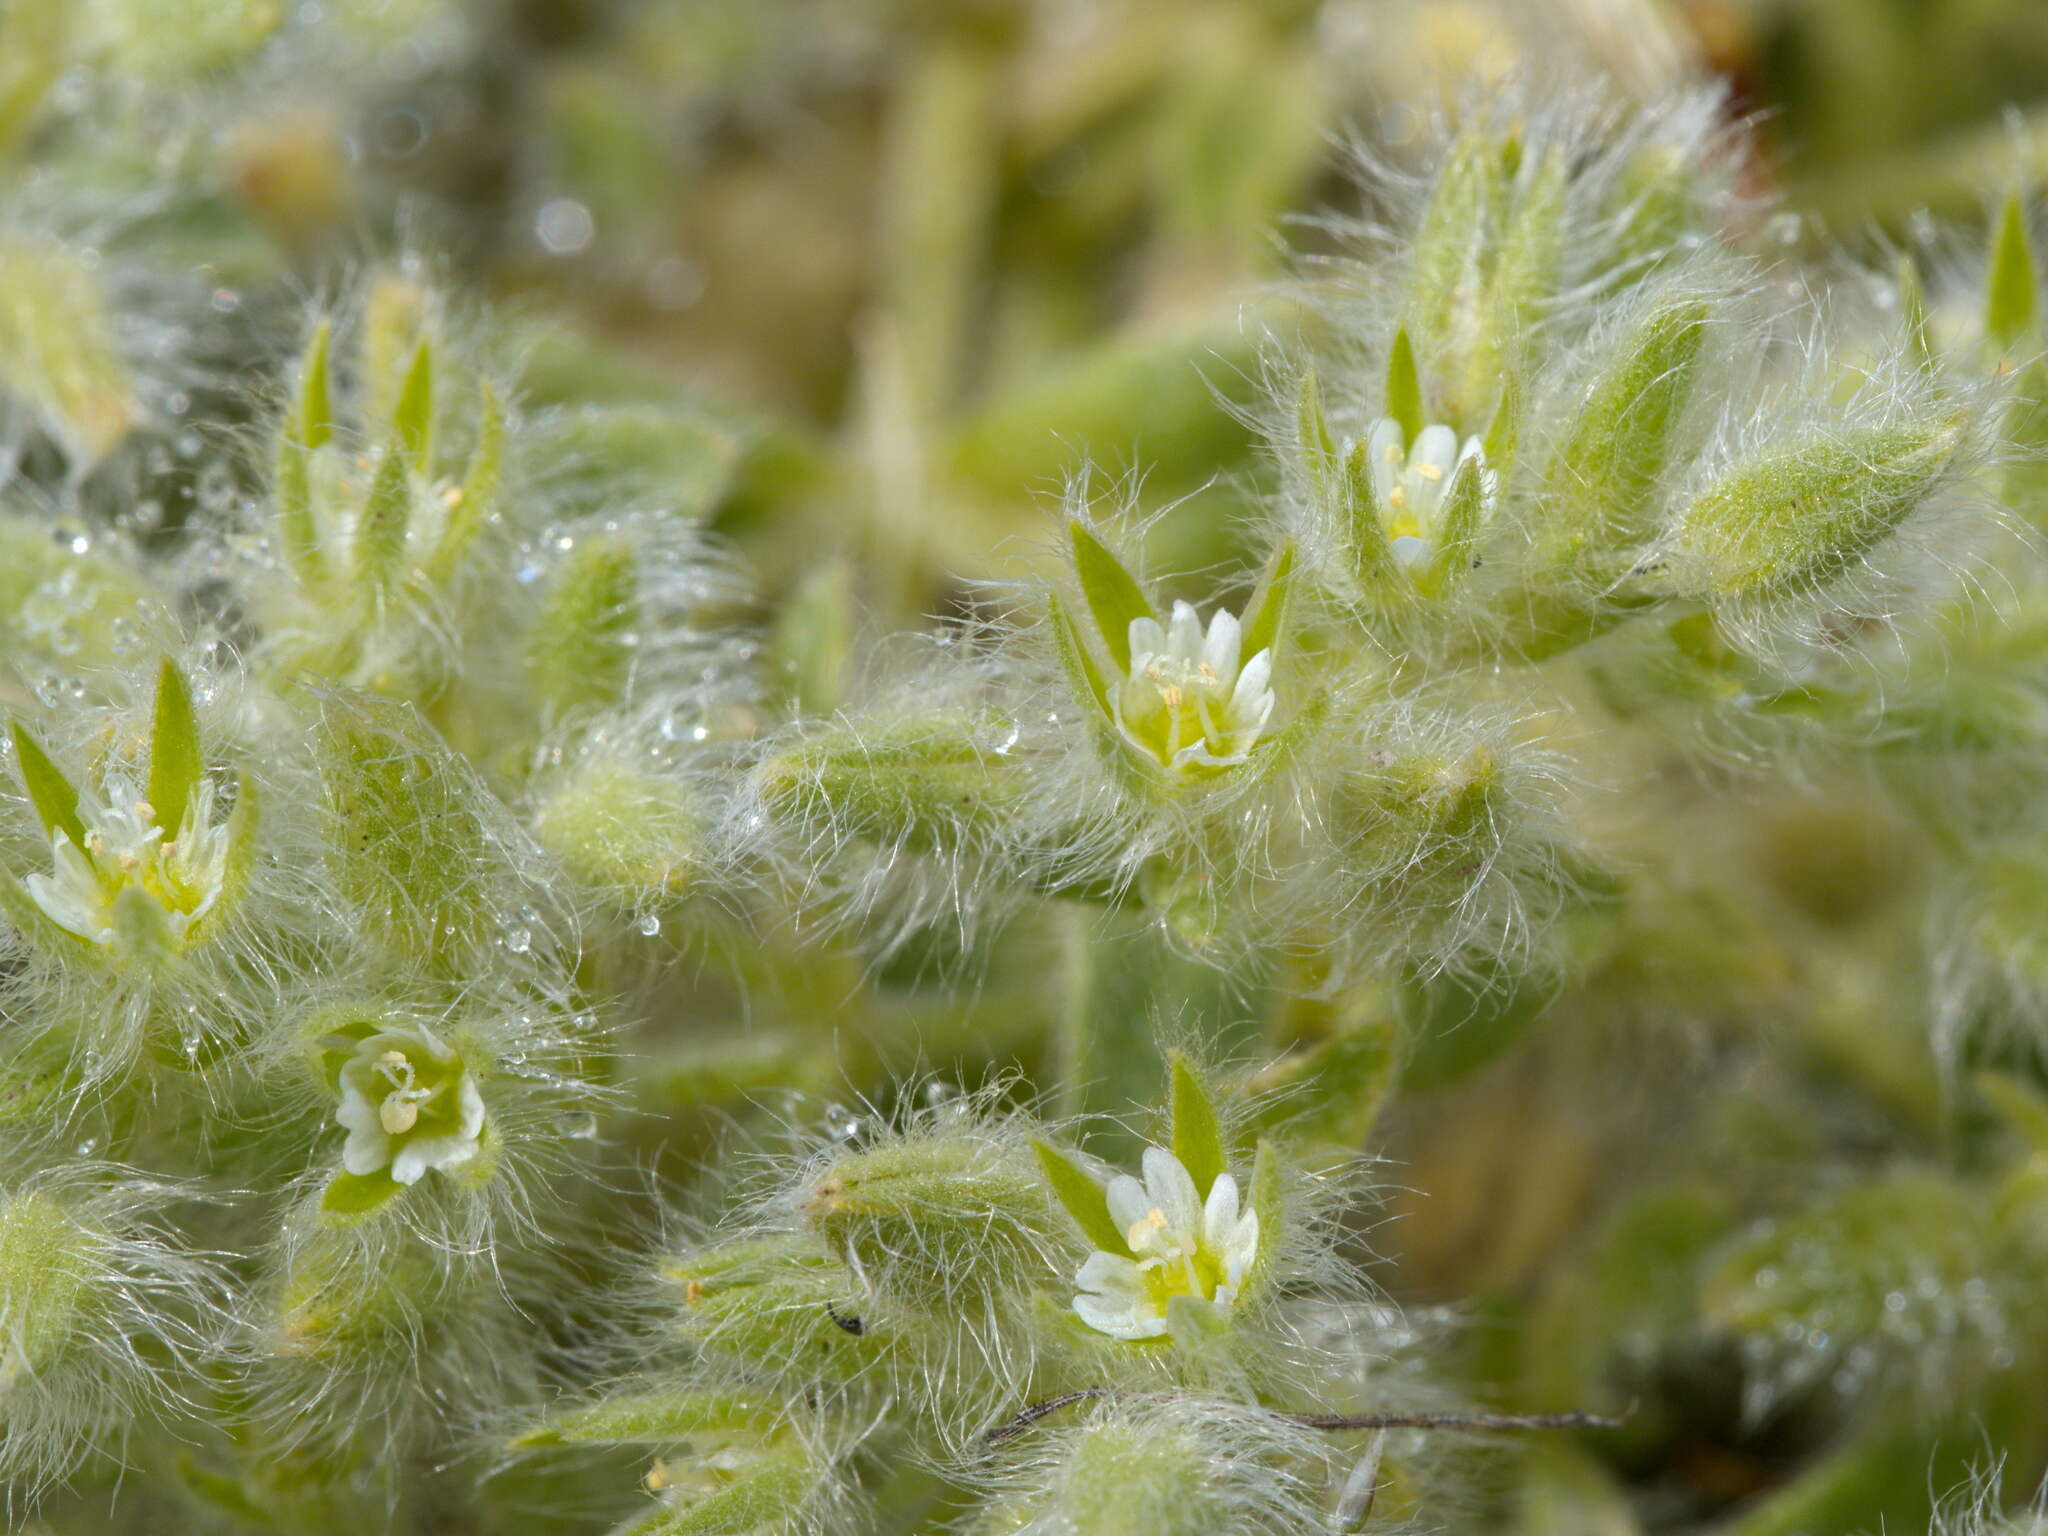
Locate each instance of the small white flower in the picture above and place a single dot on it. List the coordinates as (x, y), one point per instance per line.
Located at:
(124, 849)
(1187, 704)
(409, 1103)
(1179, 1245)
(1408, 485)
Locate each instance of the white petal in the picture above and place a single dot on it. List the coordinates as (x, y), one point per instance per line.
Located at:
(1219, 1214)
(1118, 1318)
(1409, 551)
(1200, 753)
(471, 1119)
(358, 1112)
(1240, 1249)
(1184, 633)
(1128, 1202)
(1172, 1190)
(1252, 695)
(1111, 1274)
(60, 904)
(1436, 446)
(1219, 650)
(1147, 641)
(1385, 451)
(366, 1151)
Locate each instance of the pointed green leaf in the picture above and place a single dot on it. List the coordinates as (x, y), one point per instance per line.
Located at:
(381, 531)
(1112, 594)
(1266, 613)
(349, 1197)
(56, 802)
(1404, 387)
(1084, 1199)
(1197, 1133)
(412, 419)
(2012, 300)
(176, 764)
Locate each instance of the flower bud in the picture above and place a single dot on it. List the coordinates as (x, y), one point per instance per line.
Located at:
(1796, 517)
(939, 1217)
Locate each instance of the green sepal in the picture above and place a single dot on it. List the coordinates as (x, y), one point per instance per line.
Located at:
(1084, 677)
(176, 764)
(1372, 557)
(1504, 432)
(353, 1197)
(1197, 1132)
(1913, 309)
(657, 1417)
(307, 428)
(52, 795)
(1081, 1196)
(381, 531)
(412, 419)
(142, 928)
(2012, 299)
(477, 496)
(1618, 444)
(1404, 387)
(1464, 510)
(1266, 613)
(1112, 594)
(1312, 433)
(312, 417)
(241, 859)
(1267, 1199)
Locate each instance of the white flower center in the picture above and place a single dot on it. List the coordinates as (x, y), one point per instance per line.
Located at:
(1179, 1245)
(1187, 704)
(1409, 482)
(409, 1103)
(126, 850)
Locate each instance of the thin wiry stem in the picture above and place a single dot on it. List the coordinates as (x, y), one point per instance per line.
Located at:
(1004, 1433)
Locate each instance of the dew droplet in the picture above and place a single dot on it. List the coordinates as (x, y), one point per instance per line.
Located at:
(577, 1124)
(650, 925)
(519, 940)
(841, 1123)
